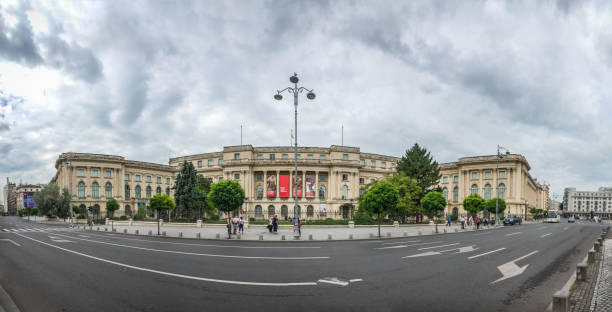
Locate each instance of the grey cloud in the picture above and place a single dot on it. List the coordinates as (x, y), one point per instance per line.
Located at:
(72, 58)
(17, 44)
(4, 126)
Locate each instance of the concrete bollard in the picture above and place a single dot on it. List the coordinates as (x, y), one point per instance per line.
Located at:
(164, 233)
(561, 301)
(581, 271)
(297, 237)
(444, 230)
(105, 229)
(239, 236)
(456, 230)
(388, 234)
(420, 233)
(124, 231)
(136, 232)
(329, 237)
(283, 237)
(199, 223)
(115, 230)
(405, 234)
(150, 232)
(309, 236)
(395, 224)
(591, 256)
(260, 237)
(97, 228)
(218, 236)
(371, 235)
(350, 236)
(600, 241)
(596, 246)
(433, 231)
(198, 235)
(351, 224)
(180, 234)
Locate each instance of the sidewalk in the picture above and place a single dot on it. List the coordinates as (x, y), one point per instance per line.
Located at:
(602, 296)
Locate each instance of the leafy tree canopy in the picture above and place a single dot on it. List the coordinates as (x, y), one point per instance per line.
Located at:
(50, 202)
(162, 202)
(433, 203)
(418, 164)
(409, 194)
(226, 195)
(111, 206)
(473, 204)
(490, 205)
(379, 199)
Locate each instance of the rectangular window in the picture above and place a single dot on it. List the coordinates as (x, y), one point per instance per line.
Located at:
(158, 179)
(456, 179)
(487, 174)
(211, 162)
(199, 164)
(81, 172)
(474, 175)
(259, 176)
(220, 161)
(361, 180)
(285, 156)
(344, 177)
(237, 176)
(299, 156)
(344, 156)
(362, 162)
(444, 179)
(167, 180)
(309, 156)
(502, 174)
(259, 157)
(148, 178)
(322, 177)
(373, 163)
(94, 172)
(107, 173)
(272, 156)
(383, 164)
(137, 178)
(236, 156)
(372, 180)
(322, 157)
(126, 177)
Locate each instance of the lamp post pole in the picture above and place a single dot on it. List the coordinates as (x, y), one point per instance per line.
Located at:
(499, 155)
(310, 95)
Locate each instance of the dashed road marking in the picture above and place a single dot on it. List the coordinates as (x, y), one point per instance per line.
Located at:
(424, 248)
(404, 246)
(515, 233)
(486, 253)
(545, 235)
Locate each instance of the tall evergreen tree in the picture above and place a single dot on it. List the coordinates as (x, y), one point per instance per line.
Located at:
(185, 191)
(418, 164)
(203, 188)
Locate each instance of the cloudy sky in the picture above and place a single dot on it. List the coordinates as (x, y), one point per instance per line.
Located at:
(149, 79)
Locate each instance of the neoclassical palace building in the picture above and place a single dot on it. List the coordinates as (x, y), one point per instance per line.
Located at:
(328, 179)
(505, 177)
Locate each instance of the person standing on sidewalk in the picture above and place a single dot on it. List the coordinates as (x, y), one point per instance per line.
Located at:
(448, 220)
(462, 220)
(241, 226)
(477, 223)
(275, 224)
(270, 224)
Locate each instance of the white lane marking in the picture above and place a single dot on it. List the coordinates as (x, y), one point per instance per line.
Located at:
(333, 281)
(59, 239)
(402, 242)
(424, 248)
(434, 253)
(10, 240)
(209, 245)
(5, 230)
(486, 253)
(214, 280)
(511, 269)
(404, 246)
(515, 233)
(200, 254)
(545, 235)
(356, 280)
(565, 228)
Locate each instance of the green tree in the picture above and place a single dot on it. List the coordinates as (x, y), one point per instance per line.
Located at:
(161, 202)
(34, 211)
(226, 195)
(418, 164)
(433, 203)
(381, 197)
(185, 191)
(47, 199)
(76, 210)
(203, 188)
(63, 207)
(490, 205)
(473, 204)
(409, 194)
(111, 206)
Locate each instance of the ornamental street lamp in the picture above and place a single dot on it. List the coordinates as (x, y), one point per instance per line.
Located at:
(311, 96)
(499, 156)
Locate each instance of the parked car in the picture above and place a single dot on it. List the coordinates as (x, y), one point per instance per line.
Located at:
(513, 219)
(571, 220)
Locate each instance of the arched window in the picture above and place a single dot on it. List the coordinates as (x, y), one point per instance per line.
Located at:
(445, 193)
(128, 210)
(81, 189)
(455, 212)
(83, 209)
(271, 211)
(501, 191)
(168, 191)
(127, 192)
(158, 190)
(474, 189)
(148, 191)
(322, 192)
(108, 190)
(284, 211)
(96, 211)
(258, 210)
(137, 191)
(487, 191)
(344, 192)
(259, 191)
(456, 194)
(95, 190)
(310, 211)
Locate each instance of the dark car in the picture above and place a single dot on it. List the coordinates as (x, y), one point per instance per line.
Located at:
(513, 219)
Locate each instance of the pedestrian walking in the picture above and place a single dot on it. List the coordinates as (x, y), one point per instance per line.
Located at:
(275, 224)
(235, 222)
(471, 221)
(462, 220)
(477, 223)
(270, 224)
(241, 226)
(485, 222)
(448, 220)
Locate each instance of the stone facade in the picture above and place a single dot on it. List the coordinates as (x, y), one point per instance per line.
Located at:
(582, 203)
(22, 190)
(487, 175)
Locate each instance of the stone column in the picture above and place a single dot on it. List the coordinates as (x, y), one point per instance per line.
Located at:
(277, 184)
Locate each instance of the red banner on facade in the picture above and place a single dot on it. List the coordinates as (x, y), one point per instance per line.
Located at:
(284, 185)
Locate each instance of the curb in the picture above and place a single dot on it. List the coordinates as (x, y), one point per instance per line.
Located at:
(6, 303)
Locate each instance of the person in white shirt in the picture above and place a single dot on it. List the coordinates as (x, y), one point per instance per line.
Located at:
(462, 220)
(235, 221)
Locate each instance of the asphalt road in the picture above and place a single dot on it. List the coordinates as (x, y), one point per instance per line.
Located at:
(515, 268)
